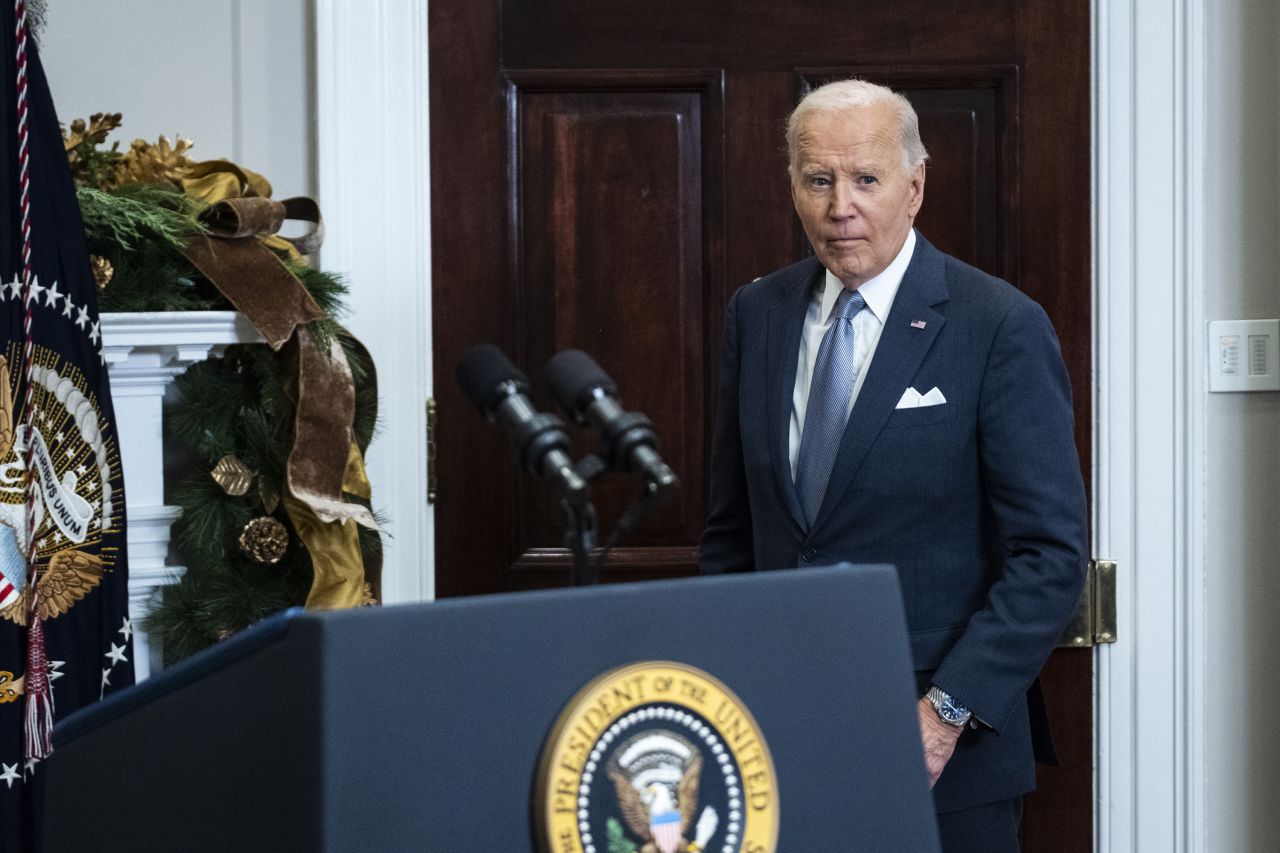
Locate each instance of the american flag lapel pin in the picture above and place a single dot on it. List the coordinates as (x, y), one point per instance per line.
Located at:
(918, 324)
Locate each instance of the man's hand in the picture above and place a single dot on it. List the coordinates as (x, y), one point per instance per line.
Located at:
(938, 737)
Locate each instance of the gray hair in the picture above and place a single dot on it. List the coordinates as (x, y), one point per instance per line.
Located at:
(844, 94)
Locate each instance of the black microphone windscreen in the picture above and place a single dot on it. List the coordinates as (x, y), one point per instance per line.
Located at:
(481, 371)
(572, 374)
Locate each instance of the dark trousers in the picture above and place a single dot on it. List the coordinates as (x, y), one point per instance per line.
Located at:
(988, 828)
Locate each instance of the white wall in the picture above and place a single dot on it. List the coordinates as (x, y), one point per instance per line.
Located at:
(1242, 466)
(235, 76)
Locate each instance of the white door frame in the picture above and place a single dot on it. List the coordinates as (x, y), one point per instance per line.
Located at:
(1148, 385)
(1149, 410)
(374, 173)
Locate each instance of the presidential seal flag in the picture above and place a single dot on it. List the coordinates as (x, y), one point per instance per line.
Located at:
(65, 636)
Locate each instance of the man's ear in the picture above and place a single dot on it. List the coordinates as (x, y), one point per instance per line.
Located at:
(917, 190)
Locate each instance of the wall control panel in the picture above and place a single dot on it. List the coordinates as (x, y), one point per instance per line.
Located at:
(1244, 355)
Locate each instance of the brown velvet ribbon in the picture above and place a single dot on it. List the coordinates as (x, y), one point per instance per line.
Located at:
(322, 436)
(324, 461)
(257, 283)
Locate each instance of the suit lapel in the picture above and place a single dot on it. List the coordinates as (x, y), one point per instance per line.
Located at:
(897, 357)
(786, 322)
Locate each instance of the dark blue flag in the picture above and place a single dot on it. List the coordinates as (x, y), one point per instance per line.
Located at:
(63, 566)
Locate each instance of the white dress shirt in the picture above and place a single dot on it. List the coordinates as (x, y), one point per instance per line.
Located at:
(867, 326)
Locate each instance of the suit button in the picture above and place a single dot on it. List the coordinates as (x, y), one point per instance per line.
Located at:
(808, 555)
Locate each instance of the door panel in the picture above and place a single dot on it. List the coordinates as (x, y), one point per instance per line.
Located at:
(609, 204)
(604, 175)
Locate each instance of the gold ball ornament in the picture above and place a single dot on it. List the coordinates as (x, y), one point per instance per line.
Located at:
(264, 539)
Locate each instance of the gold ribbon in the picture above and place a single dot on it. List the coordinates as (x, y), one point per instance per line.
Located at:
(340, 570)
(241, 258)
(336, 564)
(212, 181)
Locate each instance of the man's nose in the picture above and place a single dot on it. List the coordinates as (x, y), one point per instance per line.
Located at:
(842, 204)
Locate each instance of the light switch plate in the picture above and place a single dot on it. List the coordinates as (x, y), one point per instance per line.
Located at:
(1244, 355)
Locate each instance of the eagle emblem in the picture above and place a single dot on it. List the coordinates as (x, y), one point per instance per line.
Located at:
(74, 495)
(69, 577)
(656, 776)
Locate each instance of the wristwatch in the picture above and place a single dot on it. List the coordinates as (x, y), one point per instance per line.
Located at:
(949, 710)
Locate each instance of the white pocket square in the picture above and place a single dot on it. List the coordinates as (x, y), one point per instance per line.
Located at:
(913, 399)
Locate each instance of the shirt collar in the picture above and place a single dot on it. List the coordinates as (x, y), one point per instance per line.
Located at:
(879, 291)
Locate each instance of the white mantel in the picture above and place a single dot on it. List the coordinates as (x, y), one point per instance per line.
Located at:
(144, 353)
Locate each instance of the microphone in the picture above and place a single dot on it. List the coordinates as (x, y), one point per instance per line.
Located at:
(589, 396)
(540, 442)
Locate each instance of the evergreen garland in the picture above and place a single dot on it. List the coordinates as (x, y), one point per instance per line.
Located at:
(140, 229)
(239, 405)
(132, 216)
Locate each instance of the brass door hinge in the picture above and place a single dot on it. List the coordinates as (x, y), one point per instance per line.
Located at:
(432, 420)
(1094, 621)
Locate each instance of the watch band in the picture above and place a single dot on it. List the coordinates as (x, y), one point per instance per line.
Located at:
(950, 711)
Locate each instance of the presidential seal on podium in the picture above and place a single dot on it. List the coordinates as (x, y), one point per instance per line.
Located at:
(656, 757)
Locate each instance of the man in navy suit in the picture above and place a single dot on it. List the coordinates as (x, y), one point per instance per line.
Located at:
(884, 402)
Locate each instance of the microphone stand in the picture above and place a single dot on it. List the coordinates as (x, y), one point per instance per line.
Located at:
(581, 530)
(580, 538)
(651, 497)
(580, 525)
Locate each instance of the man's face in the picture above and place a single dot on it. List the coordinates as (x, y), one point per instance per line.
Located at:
(847, 182)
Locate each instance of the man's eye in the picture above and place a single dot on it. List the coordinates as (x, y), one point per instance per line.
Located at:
(866, 180)
(818, 181)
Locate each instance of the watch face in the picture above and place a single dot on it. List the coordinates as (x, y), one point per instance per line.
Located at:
(949, 709)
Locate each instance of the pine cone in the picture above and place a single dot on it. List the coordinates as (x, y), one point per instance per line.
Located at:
(264, 539)
(147, 163)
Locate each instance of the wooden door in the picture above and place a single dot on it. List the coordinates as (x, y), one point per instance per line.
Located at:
(605, 174)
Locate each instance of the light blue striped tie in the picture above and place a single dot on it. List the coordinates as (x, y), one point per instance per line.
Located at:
(828, 408)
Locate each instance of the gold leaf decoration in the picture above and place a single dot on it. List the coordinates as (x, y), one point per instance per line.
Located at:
(91, 163)
(95, 131)
(264, 539)
(233, 475)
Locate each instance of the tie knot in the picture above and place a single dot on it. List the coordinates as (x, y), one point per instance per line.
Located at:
(849, 303)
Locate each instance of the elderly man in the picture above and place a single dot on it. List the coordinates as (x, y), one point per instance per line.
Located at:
(884, 402)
